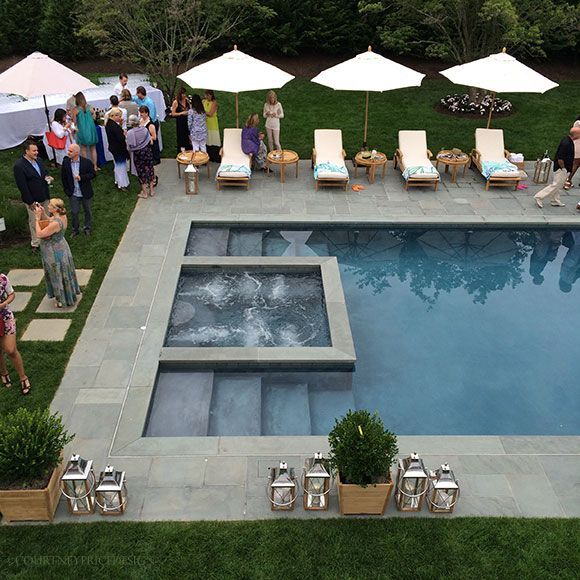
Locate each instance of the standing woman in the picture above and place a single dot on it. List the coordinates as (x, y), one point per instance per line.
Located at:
(179, 110)
(213, 127)
(61, 128)
(83, 116)
(59, 268)
(8, 338)
(196, 121)
(576, 164)
(118, 147)
(139, 145)
(273, 112)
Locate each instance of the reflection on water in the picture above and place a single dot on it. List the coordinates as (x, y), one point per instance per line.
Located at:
(243, 308)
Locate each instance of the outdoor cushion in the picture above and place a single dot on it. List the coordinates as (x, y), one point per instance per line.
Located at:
(489, 142)
(413, 146)
(328, 147)
(233, 156)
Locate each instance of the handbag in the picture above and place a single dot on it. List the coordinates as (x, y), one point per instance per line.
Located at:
(54, 141)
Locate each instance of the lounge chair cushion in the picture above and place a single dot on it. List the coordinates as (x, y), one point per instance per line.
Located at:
(490, 144)
(235, 163)
(329, 160)
(415, 162)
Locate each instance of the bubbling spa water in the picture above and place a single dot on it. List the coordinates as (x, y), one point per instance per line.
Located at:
(224, 308)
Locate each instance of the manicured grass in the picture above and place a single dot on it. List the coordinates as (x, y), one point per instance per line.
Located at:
(388, 548)
(539, 123)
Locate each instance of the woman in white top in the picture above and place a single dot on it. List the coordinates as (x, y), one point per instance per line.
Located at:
(273, 112)
(61, 127)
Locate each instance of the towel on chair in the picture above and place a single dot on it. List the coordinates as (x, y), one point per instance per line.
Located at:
(229, 169)
(326, 168)
(420, 171)
(489, 168)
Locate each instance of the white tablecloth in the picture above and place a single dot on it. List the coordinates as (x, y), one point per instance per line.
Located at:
(18, 119)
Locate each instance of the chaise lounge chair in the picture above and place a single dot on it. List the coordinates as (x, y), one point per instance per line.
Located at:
(413, 159)
(490, 158)
(328, 159)
(235, 166)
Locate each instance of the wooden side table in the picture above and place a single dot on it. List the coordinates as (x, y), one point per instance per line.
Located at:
(282, 158)
(196, 158)
(371, 163)
(453, 160)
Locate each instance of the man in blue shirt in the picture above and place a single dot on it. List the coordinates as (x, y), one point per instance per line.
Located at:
(142, 99)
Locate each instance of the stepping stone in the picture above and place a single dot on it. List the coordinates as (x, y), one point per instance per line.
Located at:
(47, 306)
(53, 329)
(31, 277)
(83, 276)
(20, 302)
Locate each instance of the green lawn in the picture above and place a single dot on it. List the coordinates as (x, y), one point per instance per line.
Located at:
(347, 548)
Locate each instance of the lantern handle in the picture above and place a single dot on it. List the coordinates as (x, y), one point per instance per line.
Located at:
(450, 506)
(316, 494)
(269, 487)
(122, 504)
(411, 495)
(77, 498)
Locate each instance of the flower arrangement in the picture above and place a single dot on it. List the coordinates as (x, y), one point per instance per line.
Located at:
(465, 104)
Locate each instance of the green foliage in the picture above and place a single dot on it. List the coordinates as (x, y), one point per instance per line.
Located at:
(20, 24)
(30, 444)
(361, 449)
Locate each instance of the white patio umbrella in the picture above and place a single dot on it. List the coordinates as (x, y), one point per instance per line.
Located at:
(39, 75)
(236, 72)
(368, 71)
(499, 73)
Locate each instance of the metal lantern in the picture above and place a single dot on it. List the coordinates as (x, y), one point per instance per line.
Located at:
(411, 484)
(111, 492)
(316, 483)
(77, 484)
(443, 490)
(542, 170)
(190, 180)
(282, 487)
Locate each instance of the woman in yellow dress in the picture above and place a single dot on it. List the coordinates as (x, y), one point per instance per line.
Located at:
(213, 128)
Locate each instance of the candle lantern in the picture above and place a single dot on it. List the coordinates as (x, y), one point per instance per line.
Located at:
(542, 170)
(77, 484)
(411, 484)
(443, 491)
(190, 180)
(316, 483)
(111, 492)
(282, 488)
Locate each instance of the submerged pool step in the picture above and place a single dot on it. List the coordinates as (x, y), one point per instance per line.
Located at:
(236, 406)
(285, 409)
(182, 403)
(326, 405)
(245, 243)
(208, 242)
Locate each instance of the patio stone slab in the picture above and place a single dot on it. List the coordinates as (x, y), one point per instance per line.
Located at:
(53, 329)
(29, 277)
(225, 471)
(177, 472)
(20, 302)
(83, 276)
(47, 306)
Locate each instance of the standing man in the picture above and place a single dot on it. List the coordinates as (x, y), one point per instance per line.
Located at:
(122, 84)
(563, 163)
(142, 99)
(32, 182)
(77, 173)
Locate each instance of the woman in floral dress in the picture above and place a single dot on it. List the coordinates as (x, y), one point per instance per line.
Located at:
(8, 338)
(59, 269)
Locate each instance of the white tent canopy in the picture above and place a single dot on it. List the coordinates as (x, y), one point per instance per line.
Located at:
(38, 75)
(499, 73)
(235, 72)
(368, 71)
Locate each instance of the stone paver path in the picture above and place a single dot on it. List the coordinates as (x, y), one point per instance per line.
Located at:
(105, 392)
(49, 329)
(20, 302)
(48, 306)
(29, 277)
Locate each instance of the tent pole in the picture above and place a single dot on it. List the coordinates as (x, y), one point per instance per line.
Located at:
(48, 123)
(491, 109)
(366, 120)
(237, 115)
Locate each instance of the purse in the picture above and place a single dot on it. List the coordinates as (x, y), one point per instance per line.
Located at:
(54, 141)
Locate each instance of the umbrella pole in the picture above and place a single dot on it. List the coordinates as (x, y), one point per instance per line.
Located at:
(366, 120)
(491, 109)
(48, 122)
(237, 115)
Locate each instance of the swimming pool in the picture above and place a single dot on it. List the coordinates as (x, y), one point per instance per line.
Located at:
(456, 331)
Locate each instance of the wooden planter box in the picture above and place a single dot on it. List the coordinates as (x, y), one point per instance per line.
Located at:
(370, 500)
(21, 505)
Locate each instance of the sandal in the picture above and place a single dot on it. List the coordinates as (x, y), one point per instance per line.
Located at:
(25, 386)
(6, 381)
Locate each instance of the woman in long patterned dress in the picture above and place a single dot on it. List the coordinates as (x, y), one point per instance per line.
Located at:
(59, 268)
(213, 127)
(8, 338)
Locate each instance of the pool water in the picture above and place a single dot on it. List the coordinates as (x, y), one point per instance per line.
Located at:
(467, 332)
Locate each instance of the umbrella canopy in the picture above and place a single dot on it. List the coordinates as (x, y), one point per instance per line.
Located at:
(499, 73)
(368, 71)
(236, 72)
(39, 75)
